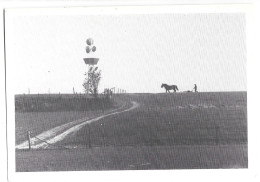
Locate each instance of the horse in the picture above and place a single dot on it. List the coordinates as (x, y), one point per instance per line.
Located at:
(169, 87)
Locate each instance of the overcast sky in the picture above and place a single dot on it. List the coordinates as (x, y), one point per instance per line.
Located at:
(137, 52)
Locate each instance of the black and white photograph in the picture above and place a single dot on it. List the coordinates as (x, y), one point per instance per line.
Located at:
(126, 89)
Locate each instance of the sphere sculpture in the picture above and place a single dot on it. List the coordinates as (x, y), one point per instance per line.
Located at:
(90, 41)
(88, 49)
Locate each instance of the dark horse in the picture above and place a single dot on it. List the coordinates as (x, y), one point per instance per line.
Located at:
(169, 87)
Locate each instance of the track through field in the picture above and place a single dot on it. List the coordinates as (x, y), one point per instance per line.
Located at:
(60, 132)
(162, 131)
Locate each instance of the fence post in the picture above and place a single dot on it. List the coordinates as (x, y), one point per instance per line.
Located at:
(103, 134)
(88, 130)
(102, 101)
(29, 139)
(217, 135)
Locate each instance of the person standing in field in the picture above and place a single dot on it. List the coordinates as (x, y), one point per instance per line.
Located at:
(195, 88)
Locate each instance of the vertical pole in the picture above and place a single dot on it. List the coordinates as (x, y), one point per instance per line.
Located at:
(102, 104)
(89, 143)
(29, 139)
(217, 135)
(87, 78)
(103, 134)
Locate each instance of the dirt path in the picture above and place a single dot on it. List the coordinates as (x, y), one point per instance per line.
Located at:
(60, 132)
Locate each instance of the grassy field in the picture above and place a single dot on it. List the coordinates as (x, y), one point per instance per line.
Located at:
(168, 119)
(133, 158)
(39, 121)
(203, 130)
(60, 102)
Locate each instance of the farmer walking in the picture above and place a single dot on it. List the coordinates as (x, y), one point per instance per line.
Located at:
(195, 88)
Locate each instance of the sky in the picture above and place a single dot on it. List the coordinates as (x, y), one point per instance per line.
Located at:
(137, 52)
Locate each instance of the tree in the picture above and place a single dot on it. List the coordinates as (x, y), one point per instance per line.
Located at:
(91, 81)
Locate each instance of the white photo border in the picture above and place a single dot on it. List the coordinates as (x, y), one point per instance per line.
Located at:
(250, 174)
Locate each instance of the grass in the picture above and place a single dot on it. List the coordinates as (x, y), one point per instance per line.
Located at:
(165, 132)
(159, 122)
(37, 122)
(133, 158)
(42, 121)
(59, 102)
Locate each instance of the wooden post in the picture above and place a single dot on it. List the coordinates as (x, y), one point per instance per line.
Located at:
(29, 139)
(88, 130)
(102, 104)
(217, 135)
(103, 134)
